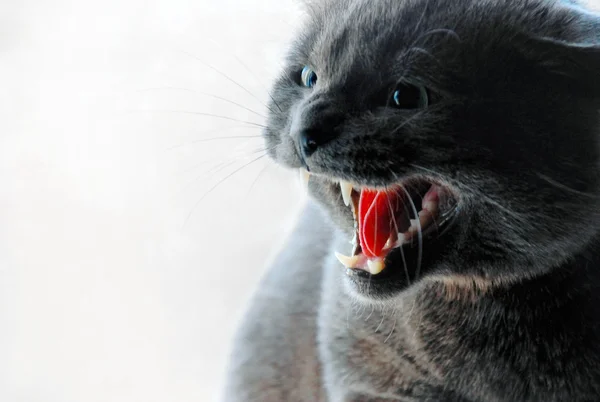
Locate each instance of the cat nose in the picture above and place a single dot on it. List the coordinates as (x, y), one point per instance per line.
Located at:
(311, 139)
(315, 127)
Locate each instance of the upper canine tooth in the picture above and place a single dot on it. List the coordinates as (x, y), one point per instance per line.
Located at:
(304, 177)
(348, 262)
(346, 192)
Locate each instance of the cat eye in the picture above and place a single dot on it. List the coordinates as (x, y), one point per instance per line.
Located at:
(308, 77)
(408, 96)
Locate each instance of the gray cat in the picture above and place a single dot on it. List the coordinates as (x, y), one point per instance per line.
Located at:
(452, 152)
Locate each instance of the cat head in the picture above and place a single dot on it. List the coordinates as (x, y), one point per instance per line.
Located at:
(452, 139)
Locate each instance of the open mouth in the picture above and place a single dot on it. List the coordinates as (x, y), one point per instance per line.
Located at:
(400, 216)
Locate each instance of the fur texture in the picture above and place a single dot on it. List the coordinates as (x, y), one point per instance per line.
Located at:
(505, 306)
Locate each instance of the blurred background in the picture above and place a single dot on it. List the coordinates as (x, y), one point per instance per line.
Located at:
(133, 225)
(137, 209)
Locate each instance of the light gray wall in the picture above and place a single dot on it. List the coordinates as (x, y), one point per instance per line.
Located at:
(120, 279)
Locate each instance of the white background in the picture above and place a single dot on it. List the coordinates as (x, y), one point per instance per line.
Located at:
(118, 281)
(125, 262)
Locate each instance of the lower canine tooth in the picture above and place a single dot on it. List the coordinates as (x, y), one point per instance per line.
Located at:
(348, 262)
(375, 266)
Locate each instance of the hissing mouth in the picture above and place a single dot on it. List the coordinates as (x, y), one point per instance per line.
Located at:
(402, 215)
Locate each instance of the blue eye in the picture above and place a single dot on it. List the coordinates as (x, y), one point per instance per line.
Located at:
(308, 77)
(408, 96)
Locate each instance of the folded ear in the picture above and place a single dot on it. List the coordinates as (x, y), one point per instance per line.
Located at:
(571, 59)
(576, 59)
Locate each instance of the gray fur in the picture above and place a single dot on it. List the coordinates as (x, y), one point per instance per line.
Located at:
(507, 307)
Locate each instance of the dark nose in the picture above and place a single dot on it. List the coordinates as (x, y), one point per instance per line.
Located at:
(312, 139)
(322, 126)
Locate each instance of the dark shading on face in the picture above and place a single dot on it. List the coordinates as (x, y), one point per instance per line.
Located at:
(492, 105)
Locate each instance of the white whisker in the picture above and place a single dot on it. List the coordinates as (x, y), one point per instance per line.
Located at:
(218, 184)
(230, 137)
(419, 233)
(565, 187)
(226, 77)
(194, 91)
(401, 250)
(382, 318)
(393, 327)
(216, 116)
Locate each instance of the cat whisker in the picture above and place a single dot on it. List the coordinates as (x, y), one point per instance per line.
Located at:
(256, 180)
(361, 308)
(209, 95)
(426, 170)
(423, 51)
(405, 265)
(217, 116)
(398, 231)
(447, 31)
(371, 313)
(205, 161)
(218, 184)
(227, 78)
(513, 214)
(410, 313)
(422, 17)
(217, 168)
(214, 130)
(231, 137)
(405, 122)
(348, 318)
(259, 81)
(418, 326)
(382, 319)
(393, 327)
(419, 233)
(565, 187)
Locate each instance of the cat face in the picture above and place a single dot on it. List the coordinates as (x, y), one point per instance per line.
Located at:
(449, 138)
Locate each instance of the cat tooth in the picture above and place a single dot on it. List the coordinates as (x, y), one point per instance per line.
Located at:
(402, 239)
(391, 241)
(348, 262)
(415, 224)
(304, 177)
(346, 192)
(354, 240)
(431, 206)
(425, 218)
(431, 199)
(375, 266)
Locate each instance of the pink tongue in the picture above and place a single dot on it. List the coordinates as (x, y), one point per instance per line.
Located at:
(376, 211)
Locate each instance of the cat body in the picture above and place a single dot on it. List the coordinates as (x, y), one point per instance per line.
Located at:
(489, 108)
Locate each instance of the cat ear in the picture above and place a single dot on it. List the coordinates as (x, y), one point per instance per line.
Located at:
(576, 60)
